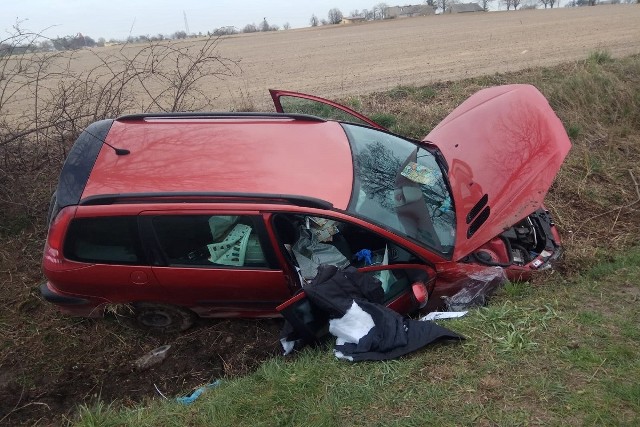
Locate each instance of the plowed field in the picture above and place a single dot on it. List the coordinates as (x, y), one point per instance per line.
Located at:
(334, 61)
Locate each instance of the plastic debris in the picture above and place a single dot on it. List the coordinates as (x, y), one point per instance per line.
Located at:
(445, 206)
(438, 315)
(188, 400)
(418, 173)
(154, 357)
(364, 255)
(476, 289)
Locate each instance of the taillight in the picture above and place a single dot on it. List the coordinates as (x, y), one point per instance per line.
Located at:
(53, 248)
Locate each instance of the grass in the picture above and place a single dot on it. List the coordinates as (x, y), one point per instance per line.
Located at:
(562, 351)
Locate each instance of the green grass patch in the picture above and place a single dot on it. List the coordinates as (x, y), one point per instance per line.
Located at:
(549, 354)
(599, 57)
(385, 120)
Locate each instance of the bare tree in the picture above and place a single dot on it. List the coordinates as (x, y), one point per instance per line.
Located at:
(314, 21)
(45, 101)
(286, 26)
(512, 4)
(443, 5)
(380, 11)
(334, 16)
(485, 4)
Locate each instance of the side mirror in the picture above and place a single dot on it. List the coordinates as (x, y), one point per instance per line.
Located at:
(420, 293)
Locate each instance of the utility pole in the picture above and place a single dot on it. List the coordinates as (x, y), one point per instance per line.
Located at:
(186, 24)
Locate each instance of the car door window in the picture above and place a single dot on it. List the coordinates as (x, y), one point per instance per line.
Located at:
(306, 106)
(210, 240)
(300, 103)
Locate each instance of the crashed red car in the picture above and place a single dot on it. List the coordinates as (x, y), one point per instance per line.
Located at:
(182, 215)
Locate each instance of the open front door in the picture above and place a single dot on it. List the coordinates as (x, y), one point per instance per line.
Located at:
(300, 103)
(397, 281)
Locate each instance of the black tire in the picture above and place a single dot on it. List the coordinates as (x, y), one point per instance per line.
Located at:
(162, 318)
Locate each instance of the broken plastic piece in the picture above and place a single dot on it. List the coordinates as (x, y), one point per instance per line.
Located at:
(438, 315)
(152, 358)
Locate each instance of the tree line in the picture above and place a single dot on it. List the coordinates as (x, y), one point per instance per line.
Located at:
(334, 16)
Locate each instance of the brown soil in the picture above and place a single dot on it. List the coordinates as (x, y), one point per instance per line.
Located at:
(337, 61)
(96, 361)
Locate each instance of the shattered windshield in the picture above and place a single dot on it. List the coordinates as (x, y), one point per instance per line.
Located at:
(400, 186)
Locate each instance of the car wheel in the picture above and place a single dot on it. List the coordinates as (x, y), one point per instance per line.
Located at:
(162, 318)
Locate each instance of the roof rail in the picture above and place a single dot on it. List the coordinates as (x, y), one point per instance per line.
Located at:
(213, 115)
(215, 197)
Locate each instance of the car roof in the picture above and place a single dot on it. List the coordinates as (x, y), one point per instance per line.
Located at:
(271, 154)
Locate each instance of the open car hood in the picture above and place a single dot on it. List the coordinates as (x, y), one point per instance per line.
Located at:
(504, 146)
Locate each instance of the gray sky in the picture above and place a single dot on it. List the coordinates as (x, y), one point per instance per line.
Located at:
(114, 18)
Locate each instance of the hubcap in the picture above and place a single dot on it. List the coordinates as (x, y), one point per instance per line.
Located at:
(157, 319)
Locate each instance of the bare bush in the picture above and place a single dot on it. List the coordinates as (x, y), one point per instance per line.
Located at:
(45, 102)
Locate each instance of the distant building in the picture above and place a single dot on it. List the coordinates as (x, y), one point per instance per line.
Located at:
(465, 8)
(409, 11)
(352, 19)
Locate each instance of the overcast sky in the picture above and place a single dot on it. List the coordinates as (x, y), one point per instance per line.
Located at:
(114, 18)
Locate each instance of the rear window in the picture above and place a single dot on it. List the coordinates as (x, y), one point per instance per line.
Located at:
(107, 240)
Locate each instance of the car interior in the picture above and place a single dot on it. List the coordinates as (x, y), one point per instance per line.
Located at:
(317, 241)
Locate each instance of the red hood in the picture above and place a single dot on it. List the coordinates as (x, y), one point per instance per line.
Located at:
(506, 143)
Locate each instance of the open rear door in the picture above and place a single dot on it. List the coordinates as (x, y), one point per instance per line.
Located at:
(300, 103)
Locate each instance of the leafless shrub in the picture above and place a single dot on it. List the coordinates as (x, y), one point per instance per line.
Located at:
(46, 99)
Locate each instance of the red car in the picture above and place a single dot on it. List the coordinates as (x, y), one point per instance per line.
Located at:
(227, 214)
